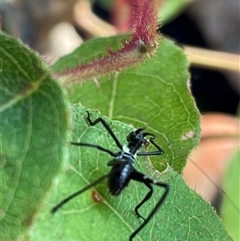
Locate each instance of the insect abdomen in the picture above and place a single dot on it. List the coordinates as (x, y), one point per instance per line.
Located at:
(119, 178)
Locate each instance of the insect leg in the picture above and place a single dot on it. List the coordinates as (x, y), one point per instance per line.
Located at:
(140, 177)
(152, 153)
(67, 199)
(105, 124)
(95, 146)
(149, 194)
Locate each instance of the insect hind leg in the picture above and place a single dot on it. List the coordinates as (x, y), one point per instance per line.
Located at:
(140, 177)
(147, 197)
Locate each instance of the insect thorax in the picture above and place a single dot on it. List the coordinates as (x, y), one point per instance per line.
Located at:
(126, 154)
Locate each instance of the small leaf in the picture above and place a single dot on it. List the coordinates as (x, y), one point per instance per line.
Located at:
(172, 9)
(143, 42)
(33, 135)
(88, 51)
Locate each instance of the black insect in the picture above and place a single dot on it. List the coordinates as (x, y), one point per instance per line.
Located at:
(123, 169)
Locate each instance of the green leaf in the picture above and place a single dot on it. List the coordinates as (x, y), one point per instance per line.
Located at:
(153, 94)
(183, 216)
(88, 51)
(229, 212)
(33, 135)
(171, 9)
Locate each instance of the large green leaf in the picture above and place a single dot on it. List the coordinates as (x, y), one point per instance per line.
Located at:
(33, 135)
(154, 94)
(183, 216)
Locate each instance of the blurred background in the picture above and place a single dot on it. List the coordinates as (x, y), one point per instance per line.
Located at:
(208, 31)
